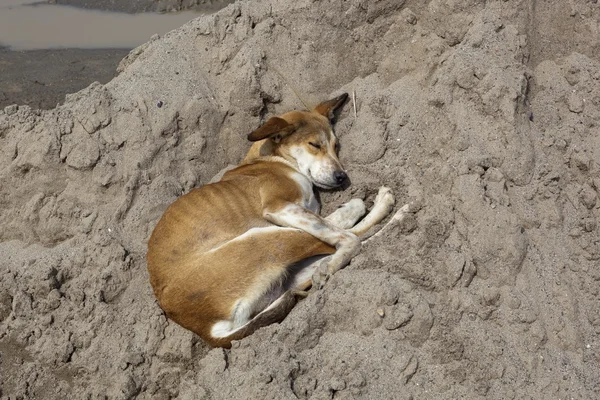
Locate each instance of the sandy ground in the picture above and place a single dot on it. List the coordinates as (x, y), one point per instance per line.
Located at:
(42, 78)
(486, 113)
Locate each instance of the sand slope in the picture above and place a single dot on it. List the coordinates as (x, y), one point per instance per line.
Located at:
(484, 113)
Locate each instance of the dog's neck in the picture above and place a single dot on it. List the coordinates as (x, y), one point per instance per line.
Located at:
(281, 160)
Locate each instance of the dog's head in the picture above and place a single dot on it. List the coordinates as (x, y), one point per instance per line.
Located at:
(306, 139)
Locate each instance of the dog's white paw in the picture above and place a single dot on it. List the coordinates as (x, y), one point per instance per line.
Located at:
(385, 197)
(356, 208)
(321, 274)
(347, 214)
(319, 280)
(355, 204)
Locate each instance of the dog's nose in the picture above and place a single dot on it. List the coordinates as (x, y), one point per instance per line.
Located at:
(340, 177)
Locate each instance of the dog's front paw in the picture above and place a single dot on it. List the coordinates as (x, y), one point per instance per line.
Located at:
(321, 276)
(299, 294)
(385, 197)
(319, 280)
(355, 207)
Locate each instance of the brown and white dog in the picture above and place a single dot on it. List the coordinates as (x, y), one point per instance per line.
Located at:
(235, 255)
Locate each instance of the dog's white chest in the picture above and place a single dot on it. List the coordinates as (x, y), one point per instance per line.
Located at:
(309, 200)
(313, 204)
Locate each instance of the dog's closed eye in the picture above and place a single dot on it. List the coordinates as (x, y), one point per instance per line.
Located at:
(315, 145)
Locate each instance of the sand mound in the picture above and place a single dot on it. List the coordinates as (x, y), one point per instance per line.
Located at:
(491, 290)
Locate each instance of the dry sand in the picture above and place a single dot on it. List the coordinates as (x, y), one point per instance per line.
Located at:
(485, 112)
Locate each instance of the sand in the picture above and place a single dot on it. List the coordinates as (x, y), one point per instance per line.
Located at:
(484, 113)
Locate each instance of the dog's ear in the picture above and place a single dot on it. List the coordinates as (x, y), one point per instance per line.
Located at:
(275, 128)
(328, 108)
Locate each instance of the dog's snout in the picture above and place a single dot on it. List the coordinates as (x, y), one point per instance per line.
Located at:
(340, 177)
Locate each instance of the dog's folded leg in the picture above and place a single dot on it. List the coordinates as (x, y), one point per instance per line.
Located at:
(346, 242)
(292, 215)
(321, 275)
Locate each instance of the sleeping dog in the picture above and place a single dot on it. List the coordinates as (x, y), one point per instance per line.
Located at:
(235, 255)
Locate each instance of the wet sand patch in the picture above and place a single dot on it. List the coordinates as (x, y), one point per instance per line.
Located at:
(42, 78)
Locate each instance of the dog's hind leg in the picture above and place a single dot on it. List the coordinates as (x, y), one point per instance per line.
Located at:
(250, 299)
(263, 294)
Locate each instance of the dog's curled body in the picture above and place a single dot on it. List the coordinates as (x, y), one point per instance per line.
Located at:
(235, 255)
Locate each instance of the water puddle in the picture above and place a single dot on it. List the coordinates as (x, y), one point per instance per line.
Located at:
(33, 25)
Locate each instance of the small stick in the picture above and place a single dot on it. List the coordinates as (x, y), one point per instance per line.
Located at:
(354, 102)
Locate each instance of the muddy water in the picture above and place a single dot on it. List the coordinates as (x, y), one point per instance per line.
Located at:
(67, 48)
(29, 25)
